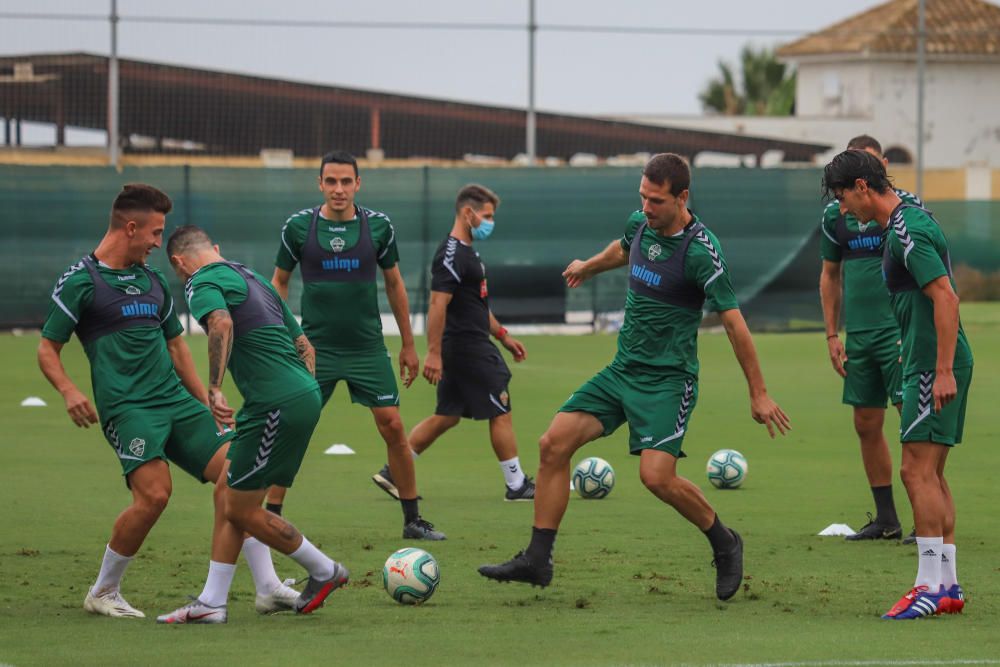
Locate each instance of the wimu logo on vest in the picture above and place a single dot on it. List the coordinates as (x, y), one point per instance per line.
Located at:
(338, 264)
(642, 274)
(865, 242)
(138, 309)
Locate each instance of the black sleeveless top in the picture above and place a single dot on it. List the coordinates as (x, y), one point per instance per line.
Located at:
(858, 245)
(665, 281)
(112, 310)
(261, 307)
(338, 265)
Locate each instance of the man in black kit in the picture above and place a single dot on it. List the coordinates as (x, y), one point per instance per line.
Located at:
(469, 372)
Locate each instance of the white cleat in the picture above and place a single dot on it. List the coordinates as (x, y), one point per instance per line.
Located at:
(281, 598)
(110, 603)
(195, 612)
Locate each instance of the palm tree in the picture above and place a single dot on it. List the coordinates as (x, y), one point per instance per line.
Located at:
(765, 90)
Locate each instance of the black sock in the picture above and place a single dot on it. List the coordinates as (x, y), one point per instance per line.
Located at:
(719, 536)
(885, 509)
(539, 551)
(274, 508)
(410, 510)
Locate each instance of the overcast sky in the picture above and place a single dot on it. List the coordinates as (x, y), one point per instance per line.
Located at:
(576, 72)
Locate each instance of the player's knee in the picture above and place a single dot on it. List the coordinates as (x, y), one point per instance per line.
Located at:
(657, 483)
(153, 501)
(389, 423)
(916, 475)
(867, 425)
(552, 451)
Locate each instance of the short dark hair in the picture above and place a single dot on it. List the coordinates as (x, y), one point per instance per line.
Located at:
(187, 238)
(138, 198)
(339, 157)
(476, 196)
(846, 168)
(863, 141)
(670, 167)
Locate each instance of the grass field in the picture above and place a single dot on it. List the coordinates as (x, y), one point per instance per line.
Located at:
(633, 584)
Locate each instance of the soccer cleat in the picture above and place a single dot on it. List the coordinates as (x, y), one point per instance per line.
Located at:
(953, 601)
(383, 480)
(729, 569)
(421, 529)
(874, 530)
(519, 568)
(525, 493)
(195, 611)
(919, 602)
(110, 603)
(911, 538)
(281, 598)
(316, 591)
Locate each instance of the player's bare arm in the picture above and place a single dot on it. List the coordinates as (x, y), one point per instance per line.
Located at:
(395, 292)
(946, 326)
(831, 294)
(437, 313)
(611, 257)
(280, 282)
(78, 406)
(306, 352)
(219, 326)
(762, 408)
(513, 345)
(180, 354)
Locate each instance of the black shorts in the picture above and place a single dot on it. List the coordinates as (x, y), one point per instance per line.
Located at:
(473, 384)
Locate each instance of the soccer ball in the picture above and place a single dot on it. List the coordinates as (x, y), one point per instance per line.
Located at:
(727, 469)
(411, 576)
(593, 478)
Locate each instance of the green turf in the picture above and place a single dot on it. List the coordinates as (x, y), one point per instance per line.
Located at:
(633, 583)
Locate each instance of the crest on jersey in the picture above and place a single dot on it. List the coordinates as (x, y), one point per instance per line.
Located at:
(504, 398)
(337, 244)
(654, 251)
(132, 290)
(137, 446)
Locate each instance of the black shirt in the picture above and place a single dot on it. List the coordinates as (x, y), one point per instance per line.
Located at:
(457, 270)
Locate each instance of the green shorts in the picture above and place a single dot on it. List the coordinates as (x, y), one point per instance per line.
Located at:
(369, 376)
(657, 408)
(919, 422)
(270, 443)
(874, 374)
(183, 433)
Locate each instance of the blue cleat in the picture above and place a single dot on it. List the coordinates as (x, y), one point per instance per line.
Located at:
(953, 601)
(919, 602)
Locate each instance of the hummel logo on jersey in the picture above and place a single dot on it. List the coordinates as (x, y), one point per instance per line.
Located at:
(385, 397)
(137, 309)
(648, 438)
(337, 264)
(337, 229)
(654, 251)
(130, 276)
(642, 274)
(337, 244)
(929, 552)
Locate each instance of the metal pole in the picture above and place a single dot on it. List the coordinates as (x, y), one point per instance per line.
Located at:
(921, 72)
(530, 120)
(113, 148)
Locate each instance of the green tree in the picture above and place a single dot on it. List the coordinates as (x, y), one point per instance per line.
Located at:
(766, 87)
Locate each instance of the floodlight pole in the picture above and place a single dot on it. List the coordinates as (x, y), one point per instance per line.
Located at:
(921, 73)
(530, 146)
(113, 148)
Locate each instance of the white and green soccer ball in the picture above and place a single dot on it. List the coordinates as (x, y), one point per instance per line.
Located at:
(727, 469)
(411, 576)
(593, 478)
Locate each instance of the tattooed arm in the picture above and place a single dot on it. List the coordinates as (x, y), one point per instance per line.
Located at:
(307, 353)
(219, 326)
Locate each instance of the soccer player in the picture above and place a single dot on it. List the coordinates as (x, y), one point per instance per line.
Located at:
(149, 400)
(337, 246)
(937, 367)
(676, 268)
(851, 281)
(470, 374)
(251, 330)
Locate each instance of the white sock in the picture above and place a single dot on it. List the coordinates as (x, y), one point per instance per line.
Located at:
(929, 551)
(112, 568)
(317, 564)
(414, 454)
(220, 578)
(512, 473)
(949, 576)
(258, 557)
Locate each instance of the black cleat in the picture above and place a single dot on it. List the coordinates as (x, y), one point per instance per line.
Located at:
(911, 538)
(519, 568)
(729, 569)
(383, 480)
(873, 530)
(421, 529)
(525, 493)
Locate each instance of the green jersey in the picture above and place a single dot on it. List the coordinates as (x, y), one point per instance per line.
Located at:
(339, 296)
(129, 367)
(265, 366)
(658, 335)
(917, 253)
(859, 247)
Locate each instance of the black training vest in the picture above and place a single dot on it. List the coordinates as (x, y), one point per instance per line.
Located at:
(260, 309)
(897, 276)
(858, 245)
(665, 281)
(344, 266)
(112, 311)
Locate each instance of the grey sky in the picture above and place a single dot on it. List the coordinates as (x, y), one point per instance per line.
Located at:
(577, 73)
